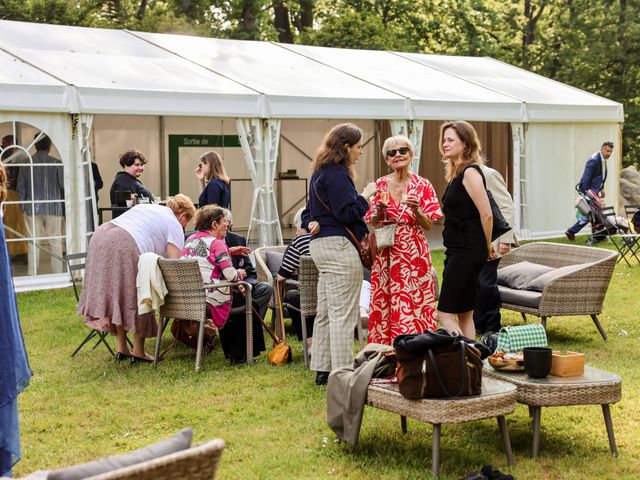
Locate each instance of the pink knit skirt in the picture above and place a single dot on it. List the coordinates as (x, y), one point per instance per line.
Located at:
(109, 295)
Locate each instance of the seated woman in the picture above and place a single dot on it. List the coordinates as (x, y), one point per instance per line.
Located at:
(132, 163)
(109, 299)
(207, 245)
(298, 247)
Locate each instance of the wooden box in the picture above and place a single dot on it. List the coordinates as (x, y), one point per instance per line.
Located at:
(569, 365)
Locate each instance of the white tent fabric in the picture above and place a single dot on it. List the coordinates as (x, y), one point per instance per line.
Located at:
(260, 140)
(52, 76)
(412, 129)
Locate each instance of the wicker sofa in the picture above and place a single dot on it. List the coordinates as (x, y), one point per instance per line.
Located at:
(198, 462)
(575, 291)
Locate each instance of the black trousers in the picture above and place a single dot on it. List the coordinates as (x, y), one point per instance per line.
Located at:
(293, 297)
(486, 316)
(233, 336)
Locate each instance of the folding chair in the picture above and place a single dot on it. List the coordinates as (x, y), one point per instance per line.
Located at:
(75, 265)
(632, 239)
(625, 243)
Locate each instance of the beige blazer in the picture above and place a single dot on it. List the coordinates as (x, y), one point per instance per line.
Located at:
(498, 188)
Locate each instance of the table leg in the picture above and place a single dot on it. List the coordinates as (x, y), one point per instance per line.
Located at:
(505, 439)
(607, 421)
(435, 454)
(403, 423)
(537, 412)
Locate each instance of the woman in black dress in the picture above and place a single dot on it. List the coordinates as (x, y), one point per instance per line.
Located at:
(467, 226)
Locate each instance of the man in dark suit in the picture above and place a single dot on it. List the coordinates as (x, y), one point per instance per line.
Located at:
(593, 178)
(233, 336)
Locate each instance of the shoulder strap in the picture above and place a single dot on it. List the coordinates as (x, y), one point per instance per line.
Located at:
(351, 234)
(477, 167)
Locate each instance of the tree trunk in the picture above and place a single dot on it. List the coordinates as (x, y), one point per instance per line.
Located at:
(141, 10)
(304, 19)
(281, 22)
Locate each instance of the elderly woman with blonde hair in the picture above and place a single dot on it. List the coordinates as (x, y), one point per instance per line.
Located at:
(109, 298)
(402, 285)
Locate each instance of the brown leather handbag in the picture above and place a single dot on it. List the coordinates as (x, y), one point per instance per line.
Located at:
(447, 367)
(281, 352)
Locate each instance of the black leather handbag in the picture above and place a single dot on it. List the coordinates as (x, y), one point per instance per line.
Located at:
(500, 224)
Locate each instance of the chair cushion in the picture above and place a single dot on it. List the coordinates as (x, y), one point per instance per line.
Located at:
(520, 274)
(526, 298)
(180, 441)
(539, 283)
(274, 260)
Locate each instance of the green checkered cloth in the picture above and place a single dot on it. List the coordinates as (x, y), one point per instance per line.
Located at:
(514, 338)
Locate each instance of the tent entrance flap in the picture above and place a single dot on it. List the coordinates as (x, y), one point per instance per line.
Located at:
(260, 140)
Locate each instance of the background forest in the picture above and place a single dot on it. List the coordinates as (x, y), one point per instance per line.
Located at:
(591, 44)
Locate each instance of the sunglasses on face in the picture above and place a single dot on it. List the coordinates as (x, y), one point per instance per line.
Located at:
(401, 151)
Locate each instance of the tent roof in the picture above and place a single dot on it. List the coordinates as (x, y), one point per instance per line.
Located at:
(76, 69)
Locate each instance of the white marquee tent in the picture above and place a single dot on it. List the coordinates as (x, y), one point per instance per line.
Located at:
(90, 88)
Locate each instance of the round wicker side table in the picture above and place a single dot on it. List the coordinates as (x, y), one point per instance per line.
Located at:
(595, 387)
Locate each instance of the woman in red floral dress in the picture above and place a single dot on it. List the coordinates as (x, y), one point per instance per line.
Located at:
(402, 285)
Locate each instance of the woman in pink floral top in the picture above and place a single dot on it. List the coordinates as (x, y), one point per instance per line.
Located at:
(402, 286)
(207, 245)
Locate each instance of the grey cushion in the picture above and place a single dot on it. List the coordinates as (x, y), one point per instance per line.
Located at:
(274, 260)
(520, 274)
(525, 298)
(180, 441)
(539, 283)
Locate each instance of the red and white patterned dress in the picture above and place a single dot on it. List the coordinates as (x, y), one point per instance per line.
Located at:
(402, 288)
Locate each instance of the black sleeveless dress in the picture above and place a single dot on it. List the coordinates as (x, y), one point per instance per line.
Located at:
(466, 248)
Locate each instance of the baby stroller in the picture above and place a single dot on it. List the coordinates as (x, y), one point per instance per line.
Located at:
(604, 221)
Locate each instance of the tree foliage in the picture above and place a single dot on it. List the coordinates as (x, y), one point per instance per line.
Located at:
(590, 44)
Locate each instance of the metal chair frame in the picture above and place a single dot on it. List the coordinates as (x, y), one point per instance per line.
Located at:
(76, 263)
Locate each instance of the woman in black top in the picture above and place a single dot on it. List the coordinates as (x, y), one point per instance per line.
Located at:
(132, 163)
(467, 226)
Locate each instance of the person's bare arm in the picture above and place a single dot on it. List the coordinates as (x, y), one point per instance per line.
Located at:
(173, 251)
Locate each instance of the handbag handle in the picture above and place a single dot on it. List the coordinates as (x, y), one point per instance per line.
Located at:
(439, 378)
(273, 336)
(351, 234)
(280, 285)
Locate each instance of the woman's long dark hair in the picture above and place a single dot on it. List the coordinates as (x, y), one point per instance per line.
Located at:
(333, 151)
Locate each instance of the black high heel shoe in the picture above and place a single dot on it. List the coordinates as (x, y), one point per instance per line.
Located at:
(322, 378)
(122, 356)
(136, 360)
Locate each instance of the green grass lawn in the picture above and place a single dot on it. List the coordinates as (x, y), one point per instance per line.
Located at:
(273, 418)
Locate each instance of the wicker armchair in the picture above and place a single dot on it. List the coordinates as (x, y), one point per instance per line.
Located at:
(580, 292)
(195, 463)
(186, 300)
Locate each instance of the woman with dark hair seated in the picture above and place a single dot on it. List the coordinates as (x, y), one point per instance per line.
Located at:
(207, 245)
(132, 163)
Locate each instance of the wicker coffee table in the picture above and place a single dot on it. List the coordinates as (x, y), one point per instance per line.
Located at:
(497, 400)
(593, 388)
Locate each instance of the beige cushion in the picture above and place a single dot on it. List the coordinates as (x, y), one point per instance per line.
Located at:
(273, 261)
(539, 283)
(526, 298)
(180, 441)
(520, 274)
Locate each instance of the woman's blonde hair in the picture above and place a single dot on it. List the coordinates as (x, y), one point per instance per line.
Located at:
(182, 204)
(472, 153)
(333, 151)
(216, 167)
(398, 140)
(3, 183)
